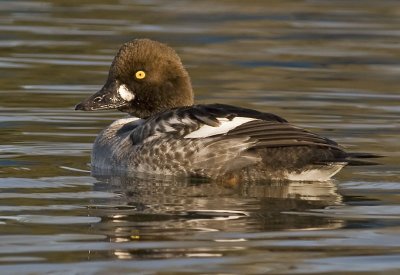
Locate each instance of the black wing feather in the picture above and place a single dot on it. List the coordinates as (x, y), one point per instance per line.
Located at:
(272, 134)
(229, 111)
(183, 120)
(268, 130)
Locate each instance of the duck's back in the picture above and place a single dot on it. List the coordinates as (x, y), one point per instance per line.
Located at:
(217, 141)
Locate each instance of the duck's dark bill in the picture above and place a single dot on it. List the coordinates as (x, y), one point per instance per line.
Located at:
(111, 96)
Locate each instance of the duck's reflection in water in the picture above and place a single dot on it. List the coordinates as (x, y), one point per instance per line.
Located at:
(170, 209)
(258, 204)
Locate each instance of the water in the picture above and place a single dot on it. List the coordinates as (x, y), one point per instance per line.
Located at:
(330, 66)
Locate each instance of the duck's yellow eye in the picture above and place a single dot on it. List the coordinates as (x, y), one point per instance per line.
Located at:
(140, 74)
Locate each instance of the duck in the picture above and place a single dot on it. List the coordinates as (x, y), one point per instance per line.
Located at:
(167, 134)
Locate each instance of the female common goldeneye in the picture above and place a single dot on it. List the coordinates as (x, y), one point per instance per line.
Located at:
(169, 135)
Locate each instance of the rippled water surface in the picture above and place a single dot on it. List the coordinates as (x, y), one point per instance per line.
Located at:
(330, 66)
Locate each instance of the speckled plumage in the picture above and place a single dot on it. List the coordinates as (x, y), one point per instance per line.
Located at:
(265, 148)
(175, 137)
(158, 145)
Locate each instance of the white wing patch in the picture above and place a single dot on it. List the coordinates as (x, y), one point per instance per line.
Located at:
(225, 126)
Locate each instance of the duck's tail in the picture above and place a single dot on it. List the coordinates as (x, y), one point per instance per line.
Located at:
(358, 159)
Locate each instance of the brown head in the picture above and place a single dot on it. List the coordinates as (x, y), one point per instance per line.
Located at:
(146, 77)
